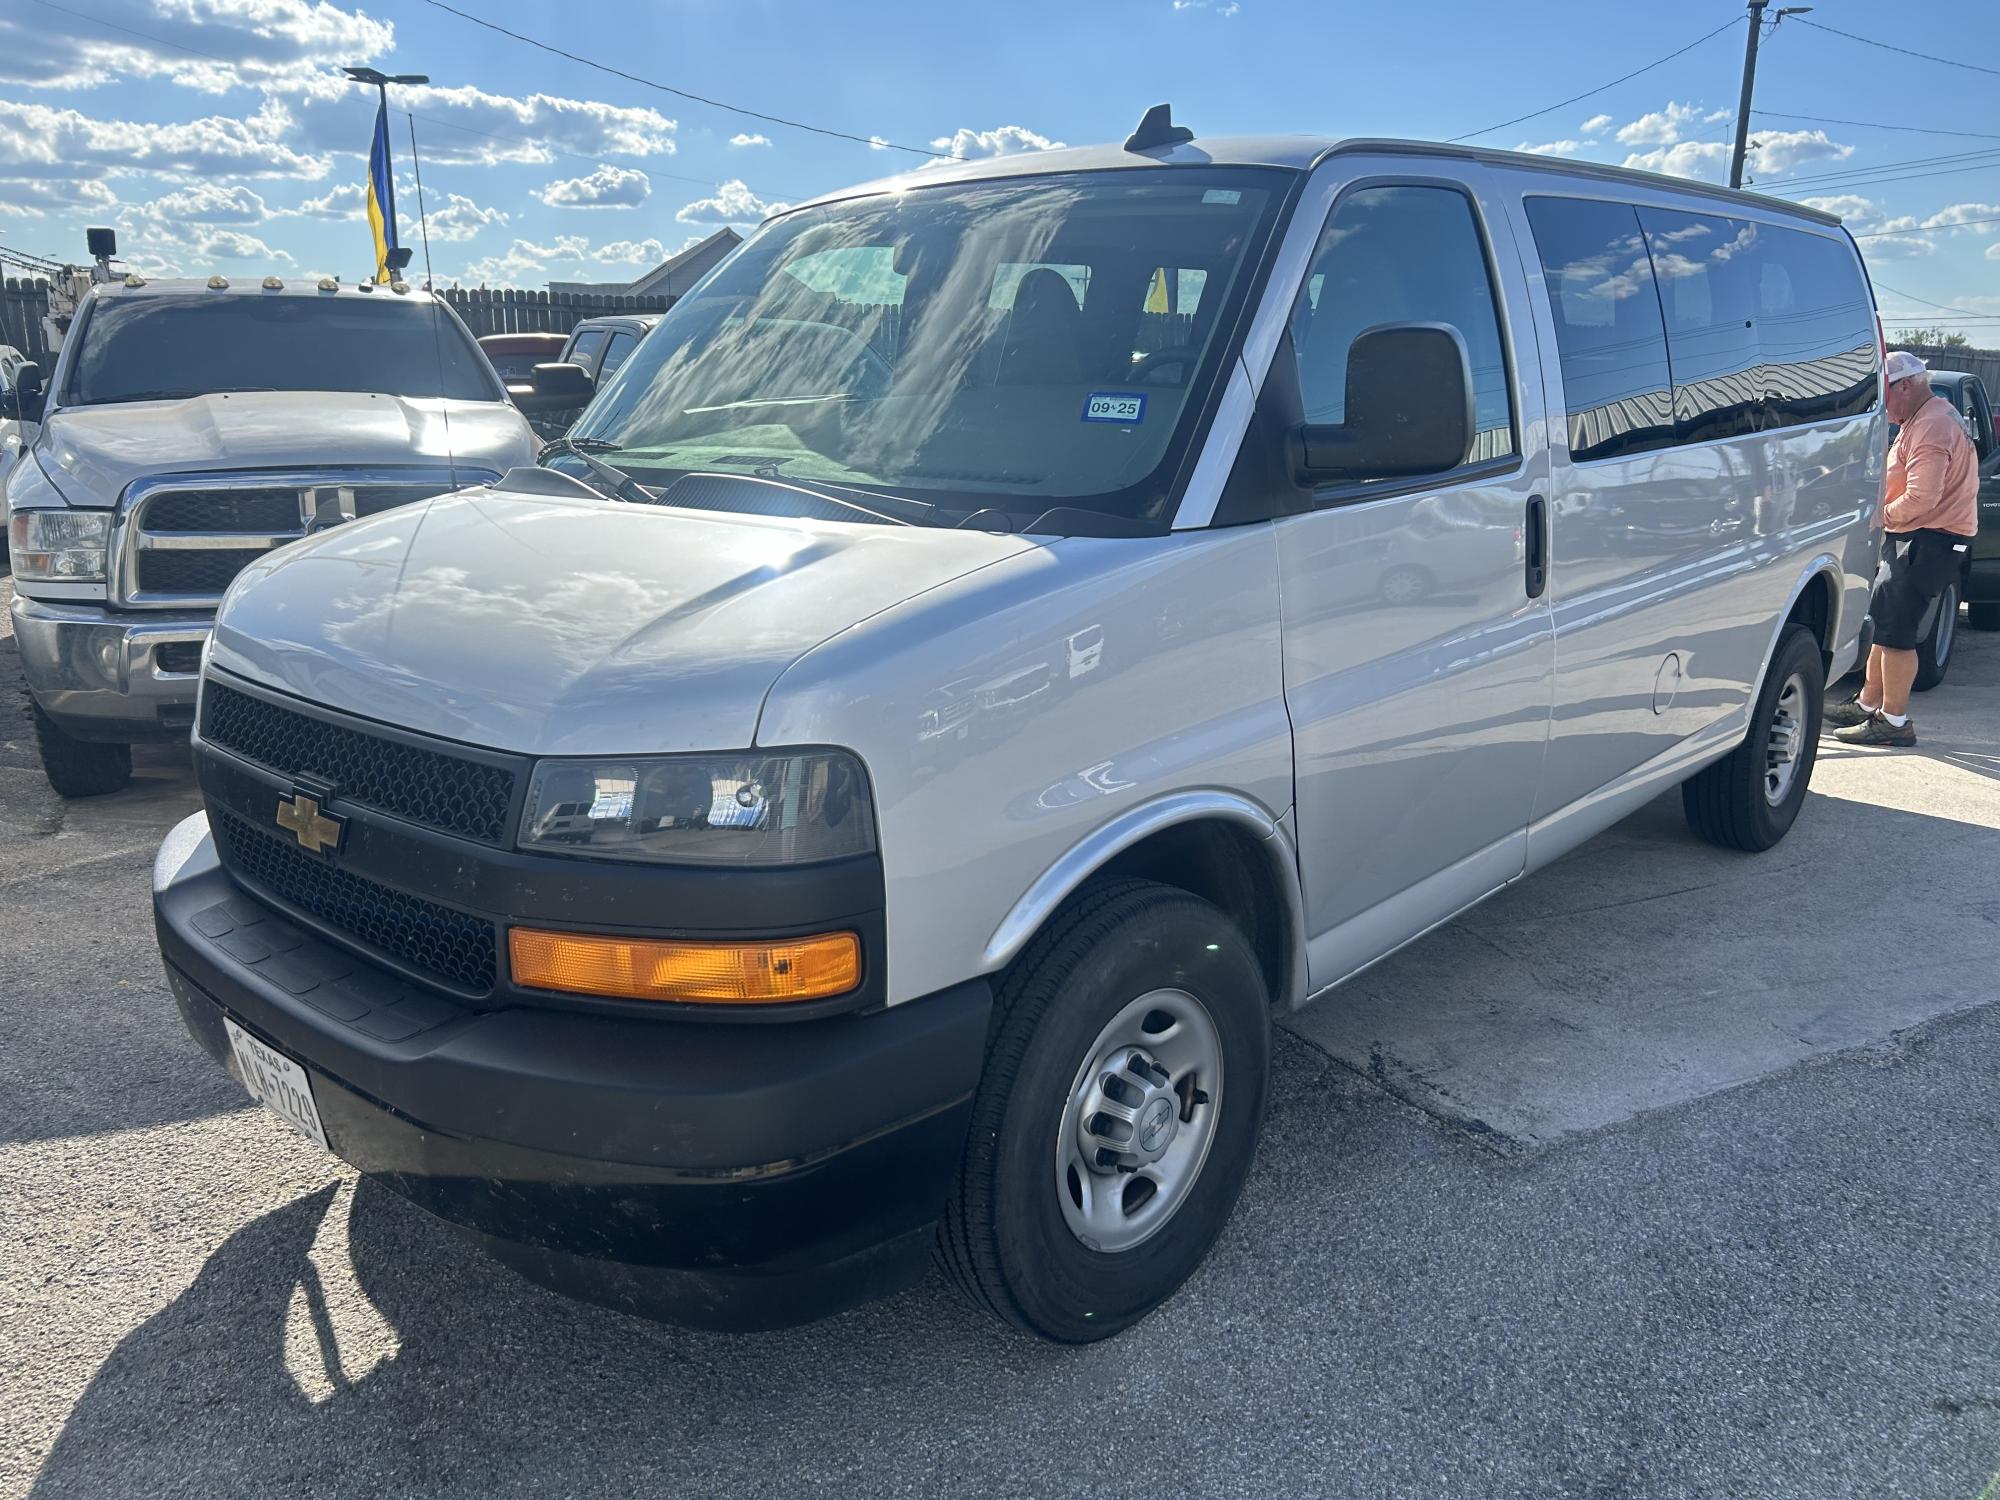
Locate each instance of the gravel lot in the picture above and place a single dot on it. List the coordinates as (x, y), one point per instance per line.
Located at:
(1666, 1173)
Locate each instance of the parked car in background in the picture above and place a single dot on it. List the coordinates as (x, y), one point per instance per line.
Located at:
(841, 856)
(1979, 584)
(189, 429)
(15, 434)
(515, 355)
(591, 355)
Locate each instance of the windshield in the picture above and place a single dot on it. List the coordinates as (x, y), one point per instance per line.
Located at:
(161, 348)
(1017, 345)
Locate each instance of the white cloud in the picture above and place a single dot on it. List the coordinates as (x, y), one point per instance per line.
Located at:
(733, 203)
(1850, 206)
(1660, 128)
(1887, 242)
(1008, 140)
(459, 220)
(1772, 152)
(525, 260)
(878, 143)
(41, 142)
(1958, 214)
(607, 187)
(31, 198)
(467, 125)
(1552, 148)
(1993, 251)
(749, 140)
(1224, 8)
(206, 203)
(1717, 116)
(1595, 125)
(646, 252)
(348, 201)
(233, 244)
(263, 41)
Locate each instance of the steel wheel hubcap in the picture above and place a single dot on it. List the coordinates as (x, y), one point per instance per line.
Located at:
(1139, 1120)
(1785, 740)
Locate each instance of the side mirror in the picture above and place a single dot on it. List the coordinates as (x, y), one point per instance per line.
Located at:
(29, 396)
(553, 386)
(1409, 408)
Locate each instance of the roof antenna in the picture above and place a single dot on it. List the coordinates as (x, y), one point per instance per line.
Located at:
(1157, 129)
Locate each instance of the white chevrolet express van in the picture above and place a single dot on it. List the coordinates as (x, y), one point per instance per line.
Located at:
(1070, 606)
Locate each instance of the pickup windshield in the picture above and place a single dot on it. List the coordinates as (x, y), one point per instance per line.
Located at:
(165, 347)
(1021, 345)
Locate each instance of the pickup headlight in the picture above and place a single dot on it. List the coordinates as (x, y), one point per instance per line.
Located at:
(744, 809)
(59, 546)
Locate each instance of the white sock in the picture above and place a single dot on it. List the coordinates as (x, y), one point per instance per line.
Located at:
(1899, 720)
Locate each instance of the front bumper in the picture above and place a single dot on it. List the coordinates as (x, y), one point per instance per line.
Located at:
(105, 674)
(721, 1175)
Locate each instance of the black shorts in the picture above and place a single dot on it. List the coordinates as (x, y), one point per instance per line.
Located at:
(1920, 564)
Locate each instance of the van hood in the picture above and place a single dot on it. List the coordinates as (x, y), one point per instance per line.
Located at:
(555, 626)
(92, 453)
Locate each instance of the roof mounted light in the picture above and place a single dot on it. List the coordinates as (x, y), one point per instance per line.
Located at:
(218, 283)
(365, 286)
(273, 284)
(399, 287)
(329, 283)
(134, 279)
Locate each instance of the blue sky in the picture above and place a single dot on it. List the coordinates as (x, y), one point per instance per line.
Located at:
(219, 135)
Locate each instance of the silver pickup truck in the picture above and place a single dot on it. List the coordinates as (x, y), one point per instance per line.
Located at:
(188, 429)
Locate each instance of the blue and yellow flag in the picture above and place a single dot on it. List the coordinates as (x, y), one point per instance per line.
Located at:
(381, 196)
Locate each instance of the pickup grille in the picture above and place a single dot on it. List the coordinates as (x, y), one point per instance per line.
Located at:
(186, 538)
(435, 788)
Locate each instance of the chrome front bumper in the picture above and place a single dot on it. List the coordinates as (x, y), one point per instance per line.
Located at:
(98, 672)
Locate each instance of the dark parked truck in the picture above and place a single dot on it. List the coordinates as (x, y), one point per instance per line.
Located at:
(1066, 607)
(188, 429)
(1978, 583)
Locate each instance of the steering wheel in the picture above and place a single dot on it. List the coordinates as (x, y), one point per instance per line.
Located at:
(1175, 354)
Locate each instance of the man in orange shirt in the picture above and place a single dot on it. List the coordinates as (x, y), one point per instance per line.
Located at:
(1931, 511)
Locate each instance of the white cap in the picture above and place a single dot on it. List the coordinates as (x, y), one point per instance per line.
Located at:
(1901, 365)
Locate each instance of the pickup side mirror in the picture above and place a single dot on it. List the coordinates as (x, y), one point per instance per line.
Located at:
(562, 384)
(1409, 408)
(29, 397)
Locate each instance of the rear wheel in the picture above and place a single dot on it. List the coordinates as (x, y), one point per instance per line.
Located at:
(79, 768)
(1750, 798)
(1934, 650)
(1117, 1116)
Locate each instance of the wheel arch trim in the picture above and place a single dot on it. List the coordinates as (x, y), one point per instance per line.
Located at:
(1133, 826)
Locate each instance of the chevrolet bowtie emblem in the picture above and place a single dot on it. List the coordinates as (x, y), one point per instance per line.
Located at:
(317, 832)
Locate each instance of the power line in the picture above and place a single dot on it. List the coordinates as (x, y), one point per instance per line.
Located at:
(735, 109)
(1587, 93)
(1889, 47)
(1943, 166)
(1779, 114)
(1925, 229)
(1941, 306)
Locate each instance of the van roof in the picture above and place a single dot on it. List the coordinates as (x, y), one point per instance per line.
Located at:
(1298, 153)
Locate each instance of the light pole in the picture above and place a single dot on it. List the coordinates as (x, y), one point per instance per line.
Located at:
(390, 257)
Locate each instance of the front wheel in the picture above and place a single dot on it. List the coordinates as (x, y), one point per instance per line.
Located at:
(1750, 798)
(1934, 650)
(79, 768)
(1118, 1114)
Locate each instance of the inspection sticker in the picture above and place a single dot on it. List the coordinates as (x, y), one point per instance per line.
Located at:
(1114, 406)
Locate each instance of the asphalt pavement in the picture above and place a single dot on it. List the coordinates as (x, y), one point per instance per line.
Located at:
(1668, 1172)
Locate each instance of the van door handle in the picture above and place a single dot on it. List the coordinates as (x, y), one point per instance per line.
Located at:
(1537, 531)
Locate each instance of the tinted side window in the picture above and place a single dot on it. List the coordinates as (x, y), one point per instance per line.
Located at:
(1396, 254)
(1707, 269)
(621, 345)
(1817, 327)
(583, 348)
(1610, 339)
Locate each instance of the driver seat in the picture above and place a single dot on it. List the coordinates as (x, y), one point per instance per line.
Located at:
(1043, 340)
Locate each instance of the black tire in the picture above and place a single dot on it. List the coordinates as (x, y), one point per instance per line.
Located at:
(1934, 651)
(1006, 1241)
(1726, 803)
(1983, 616)
(79, 768)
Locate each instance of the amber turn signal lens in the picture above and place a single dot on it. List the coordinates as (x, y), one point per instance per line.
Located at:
(759, 973)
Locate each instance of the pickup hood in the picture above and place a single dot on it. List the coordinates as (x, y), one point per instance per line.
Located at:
(92, 453)
(562, 627)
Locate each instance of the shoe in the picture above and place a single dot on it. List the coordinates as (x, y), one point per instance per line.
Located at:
(1877, 732)
(1846, 715)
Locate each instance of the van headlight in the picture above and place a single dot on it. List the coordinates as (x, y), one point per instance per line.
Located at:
(741, 809)
(59, 546)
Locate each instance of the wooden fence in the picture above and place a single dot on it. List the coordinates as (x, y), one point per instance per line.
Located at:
(22, 304)
(1985, 363)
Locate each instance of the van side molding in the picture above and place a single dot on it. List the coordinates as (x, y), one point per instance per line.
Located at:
(1090, 854)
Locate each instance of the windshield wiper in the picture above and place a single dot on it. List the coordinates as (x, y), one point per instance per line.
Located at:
(613, 482)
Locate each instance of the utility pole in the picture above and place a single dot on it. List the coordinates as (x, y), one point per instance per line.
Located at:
(1750, 81)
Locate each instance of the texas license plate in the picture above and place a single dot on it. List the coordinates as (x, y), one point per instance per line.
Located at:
(277, 1083)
